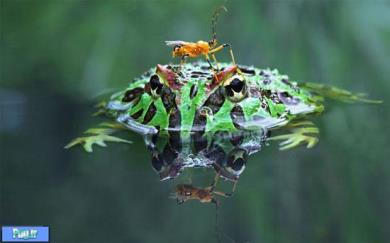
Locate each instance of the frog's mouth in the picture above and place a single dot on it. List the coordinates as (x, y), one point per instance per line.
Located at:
(135, 126)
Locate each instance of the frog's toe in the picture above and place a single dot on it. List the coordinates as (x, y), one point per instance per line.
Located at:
(302, 135)
(98, 136)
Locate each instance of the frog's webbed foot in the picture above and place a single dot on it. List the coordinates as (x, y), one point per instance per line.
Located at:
(304, 132)
(335, 93)
(98, 136)
(101, 108)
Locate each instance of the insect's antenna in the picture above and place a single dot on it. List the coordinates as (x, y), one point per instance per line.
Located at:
(214, 21)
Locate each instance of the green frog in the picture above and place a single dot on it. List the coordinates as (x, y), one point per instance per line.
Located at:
(214, 116)
(193, 116)
(179, 100)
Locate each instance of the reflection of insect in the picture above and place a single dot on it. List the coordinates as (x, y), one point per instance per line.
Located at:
(185, 49)
(186, 192)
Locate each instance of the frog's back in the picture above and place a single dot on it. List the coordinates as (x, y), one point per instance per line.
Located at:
(193, 98)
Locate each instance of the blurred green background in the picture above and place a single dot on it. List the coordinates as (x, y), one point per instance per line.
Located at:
(58, 57)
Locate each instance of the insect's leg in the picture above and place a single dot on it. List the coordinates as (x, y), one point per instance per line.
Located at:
(234, 188)
(218, 48)
(232, 55)
(212, 186)
(211, 66)
(208, 61)
(215, 60)
(224, 194)
(183, 60)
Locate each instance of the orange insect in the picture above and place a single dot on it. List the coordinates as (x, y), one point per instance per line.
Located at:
(184, 192)
(184, 49)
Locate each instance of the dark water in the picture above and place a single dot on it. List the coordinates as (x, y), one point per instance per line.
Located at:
(58, 56)
(330, 193)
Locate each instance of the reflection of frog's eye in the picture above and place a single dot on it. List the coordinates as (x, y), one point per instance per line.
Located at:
(155, 85)
(157, 162)
(235, 88)
(238, 163)
(236, 160)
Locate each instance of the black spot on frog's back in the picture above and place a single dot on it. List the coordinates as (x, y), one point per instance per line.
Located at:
(237, 116)
(168, 99)
(200, 120)
(199, 73)
(132, 94)
(290, 84)
(150, 114)
(137, 114)
(266, 75)
(193, 91)
(215, 100)
(287, 99)
(174, 118)
(247, 70)
(205, 67)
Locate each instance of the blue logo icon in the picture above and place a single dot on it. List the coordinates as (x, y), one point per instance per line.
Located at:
(25, 234)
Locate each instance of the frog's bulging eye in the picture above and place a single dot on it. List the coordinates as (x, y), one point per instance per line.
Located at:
(235, 88)
(155, 85)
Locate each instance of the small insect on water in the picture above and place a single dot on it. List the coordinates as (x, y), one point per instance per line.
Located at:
(184, 49)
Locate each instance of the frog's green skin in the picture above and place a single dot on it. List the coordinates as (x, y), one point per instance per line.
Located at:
(271, 100)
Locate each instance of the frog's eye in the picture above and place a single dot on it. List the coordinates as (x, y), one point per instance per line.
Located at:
(156, 85)
(235, 88)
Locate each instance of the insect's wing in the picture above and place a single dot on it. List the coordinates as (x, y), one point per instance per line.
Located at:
(175, 43)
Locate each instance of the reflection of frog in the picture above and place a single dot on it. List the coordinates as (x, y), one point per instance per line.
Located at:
(226, 153)
(180, 101)
(192, 117)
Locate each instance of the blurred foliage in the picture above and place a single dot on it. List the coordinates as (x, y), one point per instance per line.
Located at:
(58, 56)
